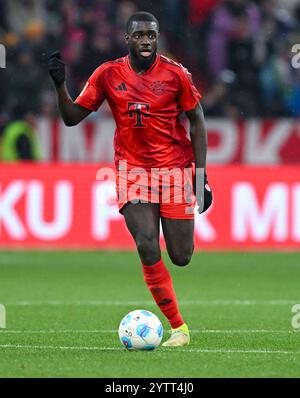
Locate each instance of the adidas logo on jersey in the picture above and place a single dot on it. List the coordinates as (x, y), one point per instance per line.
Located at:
(121, 87)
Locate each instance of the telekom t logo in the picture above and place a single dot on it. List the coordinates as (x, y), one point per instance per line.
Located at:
(136, 112)
(2, 57)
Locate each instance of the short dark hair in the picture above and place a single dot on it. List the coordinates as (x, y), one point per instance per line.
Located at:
(141, 16)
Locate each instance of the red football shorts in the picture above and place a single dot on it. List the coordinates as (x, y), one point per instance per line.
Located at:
(171, 188)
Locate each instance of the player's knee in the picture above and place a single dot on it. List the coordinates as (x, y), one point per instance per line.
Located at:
(181, 259)
(148, 248)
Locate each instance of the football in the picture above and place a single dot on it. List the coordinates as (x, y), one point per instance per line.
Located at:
(140, 330)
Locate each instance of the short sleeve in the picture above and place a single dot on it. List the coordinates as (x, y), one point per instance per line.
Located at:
(93, 93)
(189, 95)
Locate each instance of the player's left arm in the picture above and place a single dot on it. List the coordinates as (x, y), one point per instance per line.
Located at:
(199, 143)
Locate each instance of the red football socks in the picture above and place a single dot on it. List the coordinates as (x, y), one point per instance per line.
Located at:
(159, 282)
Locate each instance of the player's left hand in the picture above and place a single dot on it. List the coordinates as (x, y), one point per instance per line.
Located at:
(57, 68)
(207, 193)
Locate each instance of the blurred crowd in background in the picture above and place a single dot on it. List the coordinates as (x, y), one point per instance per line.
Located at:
(239, 51)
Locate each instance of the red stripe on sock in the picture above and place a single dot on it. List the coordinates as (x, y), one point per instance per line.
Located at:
(160, 284)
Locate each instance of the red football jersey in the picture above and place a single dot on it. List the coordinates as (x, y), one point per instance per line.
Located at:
(146, 108)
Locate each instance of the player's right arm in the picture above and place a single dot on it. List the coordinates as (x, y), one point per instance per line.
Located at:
(71, 112)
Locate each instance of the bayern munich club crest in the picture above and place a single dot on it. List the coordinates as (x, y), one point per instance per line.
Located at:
(158, 87)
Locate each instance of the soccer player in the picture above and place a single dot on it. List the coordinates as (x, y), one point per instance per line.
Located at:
(147, 92)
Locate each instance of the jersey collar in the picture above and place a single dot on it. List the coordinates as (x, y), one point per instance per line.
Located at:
(148, 70)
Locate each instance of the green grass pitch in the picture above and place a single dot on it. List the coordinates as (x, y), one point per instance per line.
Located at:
(64, 308)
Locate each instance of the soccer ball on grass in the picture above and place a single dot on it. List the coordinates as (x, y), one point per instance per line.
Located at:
(140, 330)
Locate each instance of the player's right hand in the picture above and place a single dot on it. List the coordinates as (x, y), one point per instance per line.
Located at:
(57, 69)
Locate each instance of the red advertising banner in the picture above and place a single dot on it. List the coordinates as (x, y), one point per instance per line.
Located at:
(63, 206)
(251, 141)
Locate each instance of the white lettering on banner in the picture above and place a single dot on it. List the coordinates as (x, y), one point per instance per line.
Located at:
(251, 141)
(8, 215)
(228, 133)
(104, 209)
(63, 210)
(204, 230)
(251, 222)
(72, 144)
(265, 151)
(296, 212)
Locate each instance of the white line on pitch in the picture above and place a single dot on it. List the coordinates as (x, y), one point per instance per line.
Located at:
(58, 331)
(70, 331)
(50, 347)
(200, 350)
(238, 351)
(148, 302)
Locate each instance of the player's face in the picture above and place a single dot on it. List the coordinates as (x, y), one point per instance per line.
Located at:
(142, 39)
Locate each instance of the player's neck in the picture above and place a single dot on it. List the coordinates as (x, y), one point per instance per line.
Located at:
(140, 66)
